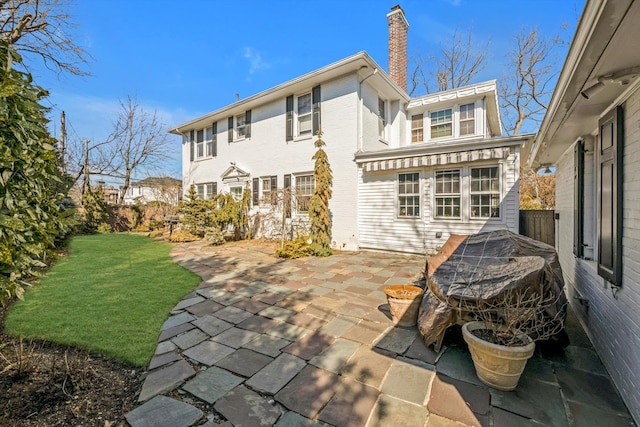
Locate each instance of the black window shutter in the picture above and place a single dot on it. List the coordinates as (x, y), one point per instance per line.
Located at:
(289, 118)
(191, 145)
(256, 191)
(230, 125)
(274, 189)
(578, 200)
(247, 123)
(287, 198)
(215, 188)
(215, 139)
(610, 191)
(315, 99)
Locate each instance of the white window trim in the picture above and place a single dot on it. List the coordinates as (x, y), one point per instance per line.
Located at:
(465, 193)
(434, 205)
(294, 185)
(382, 131)
(296, 117)
(264, 201)
(204, 185)
(200, 145)
(411, 128)
(236, 127)
(499, 192)
(241, 186)
(478, 116)
(420, 196)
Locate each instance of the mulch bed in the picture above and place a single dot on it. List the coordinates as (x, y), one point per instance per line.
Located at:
(44, 384)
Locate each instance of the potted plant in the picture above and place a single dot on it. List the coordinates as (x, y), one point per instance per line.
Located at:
(404, 303)
(502, 339)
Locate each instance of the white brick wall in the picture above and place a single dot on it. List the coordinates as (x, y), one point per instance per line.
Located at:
(612, 320)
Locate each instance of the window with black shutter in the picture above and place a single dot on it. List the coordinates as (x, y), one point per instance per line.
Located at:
(230, 127)
(289, 118)
(315, 99)
(578, 200)
(610, 182)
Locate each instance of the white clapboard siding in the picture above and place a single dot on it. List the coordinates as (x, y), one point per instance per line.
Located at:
(612, 320)
(380, 227)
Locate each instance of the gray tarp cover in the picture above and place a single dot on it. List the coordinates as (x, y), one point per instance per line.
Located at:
(483, 266)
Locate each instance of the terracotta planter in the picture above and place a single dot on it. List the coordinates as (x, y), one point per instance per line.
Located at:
(404, 303)
(497, 366)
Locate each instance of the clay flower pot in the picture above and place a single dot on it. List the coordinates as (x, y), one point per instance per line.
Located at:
(404, 303)
(498, 366)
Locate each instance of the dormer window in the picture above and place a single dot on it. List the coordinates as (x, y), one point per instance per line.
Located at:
(442, 123)
(417, 128)
(467, 119)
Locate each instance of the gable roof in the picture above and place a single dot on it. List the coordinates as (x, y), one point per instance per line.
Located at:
(153, 181)
(605, 44)
(360, 62)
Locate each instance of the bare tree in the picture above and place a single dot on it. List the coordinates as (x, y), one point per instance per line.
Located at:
(527, 85)
(460, 60)
(42, 28)
(139, 139)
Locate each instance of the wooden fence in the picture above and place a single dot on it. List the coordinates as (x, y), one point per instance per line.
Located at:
(539, 225)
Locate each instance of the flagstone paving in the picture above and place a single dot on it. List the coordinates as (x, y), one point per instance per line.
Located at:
(309, 342)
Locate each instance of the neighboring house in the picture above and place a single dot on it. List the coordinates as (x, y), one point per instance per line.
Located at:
(154, 189)
(591, 135)
(109, 193)
(406, 172)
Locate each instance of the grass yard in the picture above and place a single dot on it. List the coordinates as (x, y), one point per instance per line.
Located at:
(110, 295)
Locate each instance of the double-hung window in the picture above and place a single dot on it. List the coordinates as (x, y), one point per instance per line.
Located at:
(236, 192)
(304, 114)
(241, 126)
(442, 123)
(305, 185)
(382, 118)
(409, 194)
(207, 190)
(208, 138)
(266, 190)
(467, 119)
(417, 128)
(485, 192)
(200, 143)
(447, 194)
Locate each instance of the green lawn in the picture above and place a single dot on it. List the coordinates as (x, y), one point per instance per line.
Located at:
(110, 295)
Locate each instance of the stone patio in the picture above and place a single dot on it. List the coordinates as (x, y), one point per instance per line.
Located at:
(309, 342)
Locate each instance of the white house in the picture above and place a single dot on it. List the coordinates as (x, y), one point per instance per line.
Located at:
(591, 135)
(407, 172)
(154, 189)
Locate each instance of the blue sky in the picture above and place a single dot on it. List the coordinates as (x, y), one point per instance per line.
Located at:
(188, 58)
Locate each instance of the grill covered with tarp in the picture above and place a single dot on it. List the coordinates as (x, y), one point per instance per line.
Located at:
(472, 269)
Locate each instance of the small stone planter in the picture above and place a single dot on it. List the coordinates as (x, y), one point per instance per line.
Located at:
(404, 303)
(497, 366)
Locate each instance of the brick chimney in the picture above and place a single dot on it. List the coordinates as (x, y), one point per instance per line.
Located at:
(398, 28)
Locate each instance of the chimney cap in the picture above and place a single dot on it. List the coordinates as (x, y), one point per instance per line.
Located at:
(398, 10)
